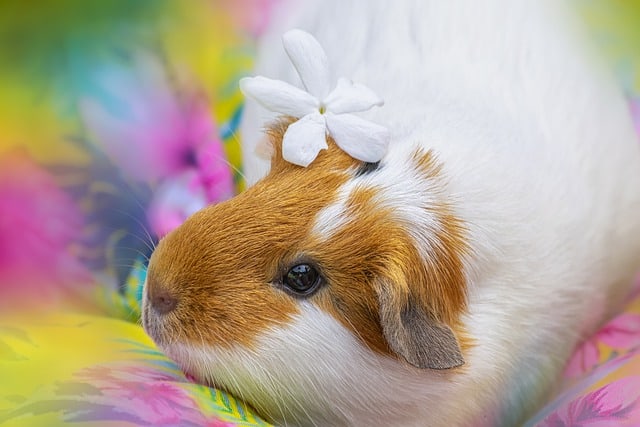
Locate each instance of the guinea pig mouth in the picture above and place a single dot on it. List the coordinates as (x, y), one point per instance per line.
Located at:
(158, 327)
(190, 367)
(154, 327)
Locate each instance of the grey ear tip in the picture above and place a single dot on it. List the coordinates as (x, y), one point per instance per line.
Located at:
(452, 365)
(418, 337)
(438, 361)
(455, 361)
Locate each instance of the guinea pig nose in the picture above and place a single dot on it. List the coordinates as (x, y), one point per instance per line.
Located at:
(163, 302)
(161, 299)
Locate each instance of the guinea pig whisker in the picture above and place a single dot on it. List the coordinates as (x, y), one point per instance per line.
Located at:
(140, 253)
(125, 233)
(151, 241)
(139, 318)
(234, 168)
(273, 388)
(231, 377)
(149, 245)
(172, 339)
(281, 386)
(205, 367)
(123, 264)
(131, 313)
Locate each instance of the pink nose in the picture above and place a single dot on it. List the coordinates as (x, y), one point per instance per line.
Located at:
(161, 299)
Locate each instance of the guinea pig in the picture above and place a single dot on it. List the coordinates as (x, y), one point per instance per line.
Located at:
(443, 281)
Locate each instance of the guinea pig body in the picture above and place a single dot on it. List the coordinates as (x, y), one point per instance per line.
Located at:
(448, 283)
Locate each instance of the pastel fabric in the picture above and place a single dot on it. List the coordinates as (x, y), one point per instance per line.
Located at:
(115, 124)
(601, 383)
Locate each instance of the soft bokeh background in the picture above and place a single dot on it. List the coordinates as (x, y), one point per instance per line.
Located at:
(118, 119)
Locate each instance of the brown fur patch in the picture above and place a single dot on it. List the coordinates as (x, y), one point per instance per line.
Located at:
(375, 248)
(222, 260)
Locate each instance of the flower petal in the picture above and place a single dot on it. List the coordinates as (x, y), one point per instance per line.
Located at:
(304, 139)
(360, 138)
(350, 97)
(278, 96)
(310, 61)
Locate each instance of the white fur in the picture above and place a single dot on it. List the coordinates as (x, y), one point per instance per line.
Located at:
(541, 163)
(410, 203)
(334, 216)
(299, 370)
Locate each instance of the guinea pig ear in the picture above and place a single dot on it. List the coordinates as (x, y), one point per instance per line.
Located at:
(417, 336)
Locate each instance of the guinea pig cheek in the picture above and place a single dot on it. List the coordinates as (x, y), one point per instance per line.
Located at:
(233, 317)
(300, 366)
(379, 274)
(185, 307)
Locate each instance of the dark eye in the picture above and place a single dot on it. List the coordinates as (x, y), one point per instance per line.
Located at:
(302, 279)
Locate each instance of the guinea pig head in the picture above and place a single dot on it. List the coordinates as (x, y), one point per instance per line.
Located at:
(297, 293)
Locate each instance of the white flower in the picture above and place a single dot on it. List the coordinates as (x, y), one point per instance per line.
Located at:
(319, 110)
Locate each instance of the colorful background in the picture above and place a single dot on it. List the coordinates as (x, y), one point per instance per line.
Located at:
(118, 119)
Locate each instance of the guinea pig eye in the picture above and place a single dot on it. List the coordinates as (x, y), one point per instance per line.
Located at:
(302, 279)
